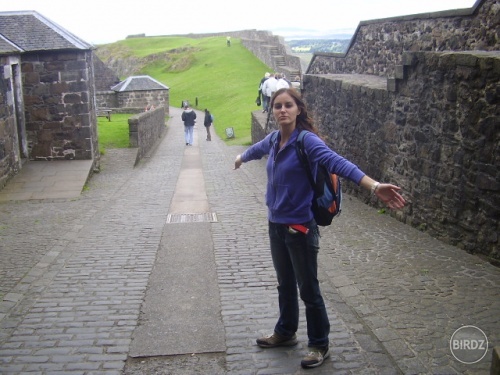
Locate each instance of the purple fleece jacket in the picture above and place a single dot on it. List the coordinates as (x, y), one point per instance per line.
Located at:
(289, 193)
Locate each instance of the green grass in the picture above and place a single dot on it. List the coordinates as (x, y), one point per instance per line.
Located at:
(114, 133)
(224, 79)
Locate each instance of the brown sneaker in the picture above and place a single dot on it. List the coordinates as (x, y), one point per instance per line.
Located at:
(315, 357)
(274, 340)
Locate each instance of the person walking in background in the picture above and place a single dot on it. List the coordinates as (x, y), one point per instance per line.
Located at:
(261, 93)
(189, 118)
(208, 122)
(296, 83)
(282, 82)
(268, 88)
(293, 232)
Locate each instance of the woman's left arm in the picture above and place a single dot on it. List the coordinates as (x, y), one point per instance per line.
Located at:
(321, 153)
(387, 193)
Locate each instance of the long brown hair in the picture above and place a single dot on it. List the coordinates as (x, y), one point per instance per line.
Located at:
(304, 121)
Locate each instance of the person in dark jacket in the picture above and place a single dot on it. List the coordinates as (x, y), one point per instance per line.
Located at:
(208, 122)
(293, 233)
(189, 118)
(262, 95)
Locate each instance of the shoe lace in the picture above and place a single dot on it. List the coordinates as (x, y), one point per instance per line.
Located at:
(315, 353)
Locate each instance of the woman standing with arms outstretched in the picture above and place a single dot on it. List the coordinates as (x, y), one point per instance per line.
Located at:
(289, 198)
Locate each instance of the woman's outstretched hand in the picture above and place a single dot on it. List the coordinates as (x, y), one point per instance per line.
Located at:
(237, 162)
(389, 194)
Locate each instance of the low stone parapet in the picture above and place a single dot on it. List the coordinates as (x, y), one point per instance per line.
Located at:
(145, 130)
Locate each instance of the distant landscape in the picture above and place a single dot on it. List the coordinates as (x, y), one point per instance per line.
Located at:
(304, 49)
(311, 46)
(194, 68)
(201, 70)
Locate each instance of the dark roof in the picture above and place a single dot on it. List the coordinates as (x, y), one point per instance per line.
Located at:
(8, 48)
(139, 83)
(30, 31)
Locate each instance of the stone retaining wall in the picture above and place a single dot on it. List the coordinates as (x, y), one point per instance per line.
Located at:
(434, 129)
(436, 134)
(145, 130)
(437, 137)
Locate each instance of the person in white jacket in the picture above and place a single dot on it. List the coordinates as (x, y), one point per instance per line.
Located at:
(282, 82)
(268, 89)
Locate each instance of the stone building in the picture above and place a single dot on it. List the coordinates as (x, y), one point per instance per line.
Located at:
(135, 94)
(416, 101)
(139, 93)
(51, 114)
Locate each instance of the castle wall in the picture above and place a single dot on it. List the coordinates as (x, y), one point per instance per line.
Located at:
(377, 46)
(146, 130)
(437, 137)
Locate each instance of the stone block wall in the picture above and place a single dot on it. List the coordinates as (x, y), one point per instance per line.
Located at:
(105, 78)
(140, 99)
(437, 136)
(434, 130)
(106, 99)
(10, 153)
(378, 45)
(258, 131)
(145, 130)
(59, 105)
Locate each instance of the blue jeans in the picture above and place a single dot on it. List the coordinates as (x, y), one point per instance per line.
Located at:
(265, 102)
(295, 259)
(188, 134)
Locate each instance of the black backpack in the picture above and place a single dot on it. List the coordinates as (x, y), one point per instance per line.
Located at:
(327, 200)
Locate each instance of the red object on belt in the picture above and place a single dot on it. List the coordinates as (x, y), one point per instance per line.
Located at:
(300, 228)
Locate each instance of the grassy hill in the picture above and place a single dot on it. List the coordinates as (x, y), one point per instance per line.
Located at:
(224, 79)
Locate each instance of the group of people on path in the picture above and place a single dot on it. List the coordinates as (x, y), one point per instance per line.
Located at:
(272, 82)
(189, 118)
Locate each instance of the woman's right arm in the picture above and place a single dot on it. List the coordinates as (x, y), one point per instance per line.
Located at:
(238, 162)
(254, 152)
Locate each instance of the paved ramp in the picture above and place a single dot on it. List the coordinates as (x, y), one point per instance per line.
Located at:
(181, 313)
(59, 179)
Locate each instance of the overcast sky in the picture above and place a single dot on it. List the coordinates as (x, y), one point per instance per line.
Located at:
(106, 21)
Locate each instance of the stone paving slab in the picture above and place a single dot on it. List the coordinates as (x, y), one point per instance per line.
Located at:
(181, 310)
(61, 179)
